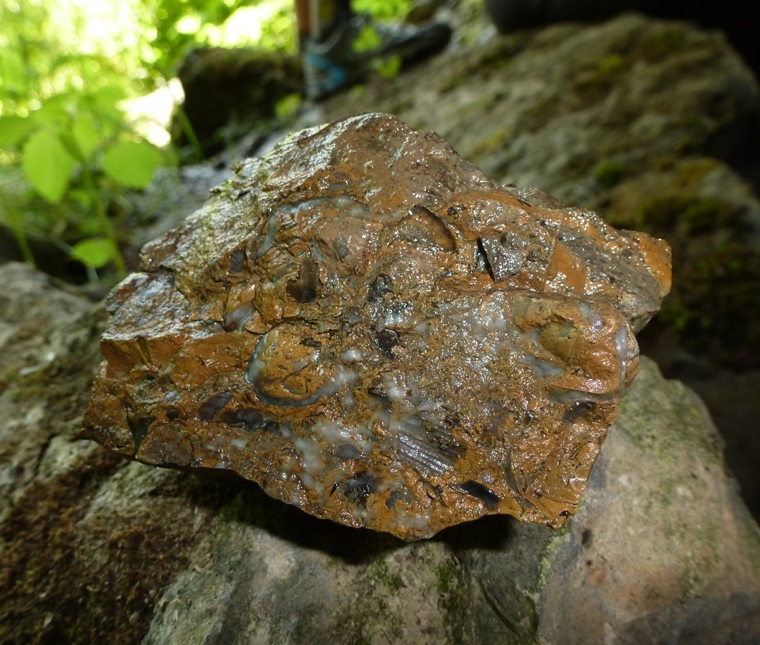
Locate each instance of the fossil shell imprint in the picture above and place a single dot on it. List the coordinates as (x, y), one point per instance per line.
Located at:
(370, 329)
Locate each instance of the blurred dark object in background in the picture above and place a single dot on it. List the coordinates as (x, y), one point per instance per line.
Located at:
(228, 89)
(738, 21)
(48, 257)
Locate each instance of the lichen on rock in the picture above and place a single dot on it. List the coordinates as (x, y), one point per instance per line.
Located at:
(370, 329)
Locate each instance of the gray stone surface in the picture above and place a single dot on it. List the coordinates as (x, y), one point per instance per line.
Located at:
(41, 329)
(661, 550)
(547, 107)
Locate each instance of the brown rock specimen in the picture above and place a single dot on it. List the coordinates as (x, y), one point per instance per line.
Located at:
(370, 329)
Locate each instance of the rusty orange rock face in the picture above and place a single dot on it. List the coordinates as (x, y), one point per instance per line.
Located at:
(370, 329)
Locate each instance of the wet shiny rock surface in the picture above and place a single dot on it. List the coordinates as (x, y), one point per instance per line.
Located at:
(370, 329)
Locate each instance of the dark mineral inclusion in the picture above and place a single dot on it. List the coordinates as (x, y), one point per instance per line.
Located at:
(370, 329)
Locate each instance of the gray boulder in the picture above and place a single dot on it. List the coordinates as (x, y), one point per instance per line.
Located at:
(93, 547)
(97, 549)
(662, 550)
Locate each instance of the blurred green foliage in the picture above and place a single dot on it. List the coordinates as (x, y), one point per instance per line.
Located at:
(62, 122)
(66, 68)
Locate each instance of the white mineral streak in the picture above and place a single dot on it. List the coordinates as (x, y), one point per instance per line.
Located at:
(379, 335)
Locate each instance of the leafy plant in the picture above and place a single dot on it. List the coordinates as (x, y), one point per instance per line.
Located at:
(77, 147)
(389, 67)
(287, 107)
(384, 9)
(61, 123)
(65, 69)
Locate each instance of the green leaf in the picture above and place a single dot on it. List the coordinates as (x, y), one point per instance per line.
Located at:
(389, 67)
(47, 164)
(96, 252)
(390, 10)
(13, 129)
(367, 40)
(106, 101)
(287, 106)
(55, 110)
(131, 164)
(13, 72)
(85, 198)
(86, 134)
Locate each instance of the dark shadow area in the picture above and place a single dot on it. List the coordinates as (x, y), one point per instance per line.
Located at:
(738, 20)
(489, 533)
(228, 89)
(738, 145)
(49, 257)
(246, 502)
(55, 547)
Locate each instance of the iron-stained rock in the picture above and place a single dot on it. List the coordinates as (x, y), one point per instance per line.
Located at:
(369, 328)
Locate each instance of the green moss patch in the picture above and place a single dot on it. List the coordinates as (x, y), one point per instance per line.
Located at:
(712, 308)
(69, 575)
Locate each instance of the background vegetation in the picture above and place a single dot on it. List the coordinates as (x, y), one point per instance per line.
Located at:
(69, 146)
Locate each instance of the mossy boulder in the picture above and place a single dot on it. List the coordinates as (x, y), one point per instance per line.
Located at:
(96, 548)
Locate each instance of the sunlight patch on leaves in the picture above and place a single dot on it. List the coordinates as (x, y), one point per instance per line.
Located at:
(288, 106)
(367, 40)
(389, 67)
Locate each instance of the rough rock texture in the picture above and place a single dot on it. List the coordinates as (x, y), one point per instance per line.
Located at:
(661, 550)
(645, 121)
(38, 336)
(655, 125)
(85, 551)
(370, 329)
(94, 548)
